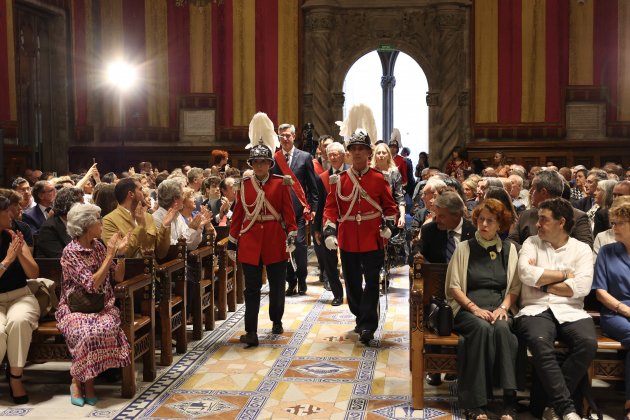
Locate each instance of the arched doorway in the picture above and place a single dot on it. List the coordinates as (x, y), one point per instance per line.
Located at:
(362, 84)
(434, 33)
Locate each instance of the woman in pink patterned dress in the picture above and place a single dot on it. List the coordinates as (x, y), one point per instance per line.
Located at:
(95, 340)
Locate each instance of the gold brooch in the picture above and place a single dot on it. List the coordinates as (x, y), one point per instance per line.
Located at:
(493, 255)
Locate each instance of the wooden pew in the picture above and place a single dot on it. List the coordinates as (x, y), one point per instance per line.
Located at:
(225, 276)
(170, 275)
(48, 344)
(429, 280)
(201, 262)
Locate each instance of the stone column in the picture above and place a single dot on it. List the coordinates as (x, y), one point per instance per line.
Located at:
(388, 82)
(319, 25)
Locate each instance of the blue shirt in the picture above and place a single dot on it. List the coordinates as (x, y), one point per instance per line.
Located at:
(612, 273)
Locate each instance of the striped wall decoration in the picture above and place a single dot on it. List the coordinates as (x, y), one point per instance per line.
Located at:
(529, 53)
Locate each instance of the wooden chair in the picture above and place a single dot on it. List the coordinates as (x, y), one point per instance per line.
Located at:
(427, 280)
(225, 276)
(48, 344)
(201, 262)
(170, 275)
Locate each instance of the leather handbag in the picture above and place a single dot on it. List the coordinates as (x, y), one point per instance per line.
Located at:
(440, 319)
(87, 303)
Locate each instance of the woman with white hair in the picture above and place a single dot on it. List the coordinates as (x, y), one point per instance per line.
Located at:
(86, 316)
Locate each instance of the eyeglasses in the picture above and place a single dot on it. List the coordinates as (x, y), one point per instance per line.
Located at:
(618, 223)
(286, 136)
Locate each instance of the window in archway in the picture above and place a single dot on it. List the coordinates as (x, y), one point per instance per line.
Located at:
(411, 113)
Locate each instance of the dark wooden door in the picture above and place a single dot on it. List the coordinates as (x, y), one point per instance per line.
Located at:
(33, 79)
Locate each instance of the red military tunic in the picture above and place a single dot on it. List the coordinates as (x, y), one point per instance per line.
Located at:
(401, 164)
(360, 232)
(319, 169)
(266, 238)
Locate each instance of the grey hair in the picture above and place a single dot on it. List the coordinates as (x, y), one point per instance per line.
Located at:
(518, 178)
(285, 126)
(335, 147)
(552, 181)
(607, 186)
(452, 202)
(194, 173)
(169, 191)
(493, 181)
(434, 184)
(80, 218)
(65, 199)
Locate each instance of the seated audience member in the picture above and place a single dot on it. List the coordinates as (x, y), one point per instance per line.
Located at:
(44, 194)
(17, 225)
(93, 335)
(105, 198)
(579, 183)
(219, 160)
(612, 286)
(556, 271)
(131, 216)
(590, 186)
(211, 191)
(432, 188)
(53, 236)
(19, 310)
(470, 192)
(603, 201)
(608, 237)
(228, 198)
(232, 173)
(109, 178)
(502, 195)
(482, 288)
(195, 178)
(520, 201)
(22, 187)
(439, 238)
(548, 184)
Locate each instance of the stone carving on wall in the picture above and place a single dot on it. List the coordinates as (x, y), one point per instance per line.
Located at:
(434, 33)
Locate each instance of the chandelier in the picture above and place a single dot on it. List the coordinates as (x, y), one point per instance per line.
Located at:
(198, 3)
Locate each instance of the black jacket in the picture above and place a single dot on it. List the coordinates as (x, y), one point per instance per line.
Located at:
(52, 238)
(433, 240)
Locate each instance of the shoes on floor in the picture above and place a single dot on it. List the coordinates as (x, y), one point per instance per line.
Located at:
(277, 328)
(550, 414)
(251, 339)
(327, 286)
(302, 291)
(434, 379)
(450, 377)
(366, 337)
(22, 399)
(91, 400)
(337, 302)
(78, 401)
(291, 291)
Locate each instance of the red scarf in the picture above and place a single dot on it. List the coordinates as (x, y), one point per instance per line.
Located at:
(281, 161)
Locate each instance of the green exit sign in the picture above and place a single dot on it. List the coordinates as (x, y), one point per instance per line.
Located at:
(385, 47)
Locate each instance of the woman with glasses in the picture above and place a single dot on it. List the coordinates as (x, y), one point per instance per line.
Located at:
(612, 284)
(87, 316)
(19, 310)
(482, 288)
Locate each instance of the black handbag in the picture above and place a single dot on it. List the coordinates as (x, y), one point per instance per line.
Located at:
(440, 319)
(87, 303)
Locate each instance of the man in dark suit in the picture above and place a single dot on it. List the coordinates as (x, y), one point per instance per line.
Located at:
(336, 155)
(592, 178)
(44, 193)
(299, 165)
(439, 238)
(548, 184)
(53, 236)
(449, 222)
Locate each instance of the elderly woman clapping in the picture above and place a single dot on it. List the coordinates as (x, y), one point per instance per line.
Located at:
(86, 315)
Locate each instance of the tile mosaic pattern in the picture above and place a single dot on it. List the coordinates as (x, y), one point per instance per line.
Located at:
(316, 369)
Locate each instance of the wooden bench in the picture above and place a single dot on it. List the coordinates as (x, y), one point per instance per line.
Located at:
(429, 280)
(48, 343)
(201, 262)
(170, 275)
(225, 275)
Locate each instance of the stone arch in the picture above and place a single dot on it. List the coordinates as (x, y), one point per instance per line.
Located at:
(435, 33)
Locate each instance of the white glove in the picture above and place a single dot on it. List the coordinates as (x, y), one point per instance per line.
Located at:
(331, 242)
(232, 255)
(386, 233)
(290, 247)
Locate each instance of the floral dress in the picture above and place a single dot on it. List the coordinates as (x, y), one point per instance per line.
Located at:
(96, 341)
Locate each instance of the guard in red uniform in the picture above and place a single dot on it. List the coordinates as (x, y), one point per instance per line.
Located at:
(359, 213)
(263, 231)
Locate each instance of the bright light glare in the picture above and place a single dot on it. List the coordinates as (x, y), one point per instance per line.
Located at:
(121, 75)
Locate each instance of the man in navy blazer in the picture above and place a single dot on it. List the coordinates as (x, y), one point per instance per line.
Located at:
(301, 163)
(44, 193)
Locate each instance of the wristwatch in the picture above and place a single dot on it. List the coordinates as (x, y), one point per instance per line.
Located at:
(503, 307)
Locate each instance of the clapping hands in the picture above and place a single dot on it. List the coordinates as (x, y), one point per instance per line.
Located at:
(118, 243)
(15, 247)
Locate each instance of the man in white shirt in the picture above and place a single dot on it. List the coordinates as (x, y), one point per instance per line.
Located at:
(556, 271)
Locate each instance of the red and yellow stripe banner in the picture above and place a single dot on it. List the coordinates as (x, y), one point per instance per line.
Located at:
(527, 52)
(244, 51)
(8, 104)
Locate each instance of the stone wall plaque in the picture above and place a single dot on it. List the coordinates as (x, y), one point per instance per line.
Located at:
(197, 124)
(586, 120)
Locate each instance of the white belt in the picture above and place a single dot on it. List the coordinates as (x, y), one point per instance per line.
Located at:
(362, 217)
(263, 218)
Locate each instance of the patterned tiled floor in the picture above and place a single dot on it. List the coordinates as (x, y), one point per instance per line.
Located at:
(316, 370)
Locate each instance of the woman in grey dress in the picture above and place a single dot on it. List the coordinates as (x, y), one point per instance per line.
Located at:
(482, 288)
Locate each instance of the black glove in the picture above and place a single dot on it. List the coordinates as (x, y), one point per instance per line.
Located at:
(387, 228)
